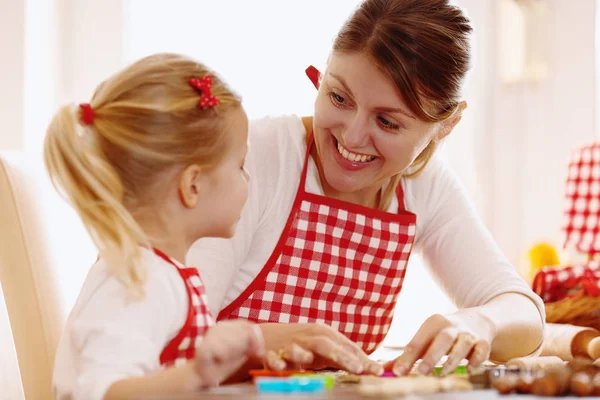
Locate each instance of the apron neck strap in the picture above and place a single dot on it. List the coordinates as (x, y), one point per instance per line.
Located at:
(309, 146)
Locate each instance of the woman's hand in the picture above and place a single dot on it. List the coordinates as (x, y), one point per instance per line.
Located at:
(225, 348)
(314, 346)
(464, 334)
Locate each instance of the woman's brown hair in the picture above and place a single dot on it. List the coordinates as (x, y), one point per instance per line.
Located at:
(146, 120)
(423, 46)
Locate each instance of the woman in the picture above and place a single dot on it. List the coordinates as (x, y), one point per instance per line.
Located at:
(339, 201)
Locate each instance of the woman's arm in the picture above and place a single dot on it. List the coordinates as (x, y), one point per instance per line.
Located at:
(517, 324)
(499, 315)
(471, 268)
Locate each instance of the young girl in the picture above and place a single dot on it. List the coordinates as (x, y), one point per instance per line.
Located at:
(153, 163)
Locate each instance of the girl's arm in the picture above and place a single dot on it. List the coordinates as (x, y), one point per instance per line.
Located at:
(226, 347)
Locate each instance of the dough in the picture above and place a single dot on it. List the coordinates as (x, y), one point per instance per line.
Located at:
(374, 386)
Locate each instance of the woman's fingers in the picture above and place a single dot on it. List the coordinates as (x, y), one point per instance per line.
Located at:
(291, 356)
(480, 354)
(338, 355)
(419, 344)
(369, 366)
(464, 345)
(439, 347)
(350, 352)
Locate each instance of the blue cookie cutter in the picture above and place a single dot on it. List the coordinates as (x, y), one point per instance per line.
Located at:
(296, 384)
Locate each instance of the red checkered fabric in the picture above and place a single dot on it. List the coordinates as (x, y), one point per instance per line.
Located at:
(199, 319)
(336, 263)
(582, 201)
(553, 284)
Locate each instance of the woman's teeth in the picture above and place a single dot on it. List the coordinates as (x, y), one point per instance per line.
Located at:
(353, 156)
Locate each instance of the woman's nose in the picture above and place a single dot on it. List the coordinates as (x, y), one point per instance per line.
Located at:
(355, 135)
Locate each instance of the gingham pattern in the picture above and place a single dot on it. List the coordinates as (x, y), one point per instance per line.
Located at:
(553, 284)
(199, 319)
(582, 201)
(336, 267)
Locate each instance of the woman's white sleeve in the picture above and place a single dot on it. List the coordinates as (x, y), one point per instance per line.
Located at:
(460, 252)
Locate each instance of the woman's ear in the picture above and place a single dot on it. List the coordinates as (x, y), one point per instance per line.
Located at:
(448, 125)
(191, 182)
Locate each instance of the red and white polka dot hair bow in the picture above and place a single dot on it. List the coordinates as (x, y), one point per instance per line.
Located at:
(204, 85)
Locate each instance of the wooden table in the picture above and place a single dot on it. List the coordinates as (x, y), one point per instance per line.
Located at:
(247, 391)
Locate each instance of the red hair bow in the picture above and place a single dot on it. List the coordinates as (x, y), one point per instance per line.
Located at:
(87, 114)
(204, 85)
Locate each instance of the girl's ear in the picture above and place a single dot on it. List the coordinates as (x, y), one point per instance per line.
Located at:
(191, 184)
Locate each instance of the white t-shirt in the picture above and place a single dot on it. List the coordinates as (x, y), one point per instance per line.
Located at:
(111, 335)
(450, 237)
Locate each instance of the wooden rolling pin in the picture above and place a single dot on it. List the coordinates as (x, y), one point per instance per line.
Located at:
(570, 341)
(536, 363)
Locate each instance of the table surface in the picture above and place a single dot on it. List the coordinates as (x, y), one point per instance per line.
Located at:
(348, 391)
(344, 391)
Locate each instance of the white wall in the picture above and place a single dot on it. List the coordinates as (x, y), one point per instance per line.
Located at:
(66, 53)
(534, 127)
(12, 72)
(512, 146)
(467, 148)
(262, 48)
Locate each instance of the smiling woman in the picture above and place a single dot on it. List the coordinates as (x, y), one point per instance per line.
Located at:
(357, 165)
(323, 243)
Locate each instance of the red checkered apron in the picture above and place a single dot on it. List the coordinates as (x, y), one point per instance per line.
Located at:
(336, 263)
(553, 284)
(199, 318)
(582, 202)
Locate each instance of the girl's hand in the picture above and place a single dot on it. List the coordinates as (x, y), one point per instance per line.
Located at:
(464, 334)
(225, 348)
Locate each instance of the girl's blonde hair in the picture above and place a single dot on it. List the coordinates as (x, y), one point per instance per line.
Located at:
(146, 120)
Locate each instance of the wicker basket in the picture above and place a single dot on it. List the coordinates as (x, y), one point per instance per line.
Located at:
(571, 294)
(582, 311)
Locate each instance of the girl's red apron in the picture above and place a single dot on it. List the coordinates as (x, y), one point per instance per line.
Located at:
(336, 263)
(199, 318)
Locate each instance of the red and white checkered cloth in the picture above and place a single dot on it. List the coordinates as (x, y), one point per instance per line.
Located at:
(198, 321)
(582, 201)
(553, 284)
(335, 267)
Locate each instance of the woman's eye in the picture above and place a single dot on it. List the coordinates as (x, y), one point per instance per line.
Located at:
(387, 124)
(336, 98)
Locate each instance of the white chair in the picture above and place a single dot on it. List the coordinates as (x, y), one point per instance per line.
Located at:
(44, 256)
(10, 377)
